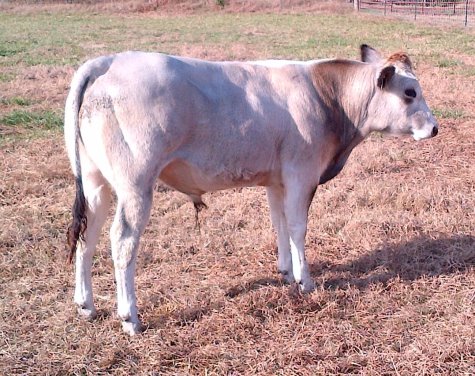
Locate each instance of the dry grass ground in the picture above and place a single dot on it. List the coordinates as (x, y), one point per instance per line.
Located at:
(391, 240)
(179, 6)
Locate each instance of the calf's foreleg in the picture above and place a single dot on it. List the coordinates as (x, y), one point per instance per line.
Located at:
(275, 197)
(296, 204)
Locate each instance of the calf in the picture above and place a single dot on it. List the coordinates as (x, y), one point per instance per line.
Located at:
(199, 126)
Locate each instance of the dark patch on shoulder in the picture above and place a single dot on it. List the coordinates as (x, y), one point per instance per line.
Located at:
(333, 169)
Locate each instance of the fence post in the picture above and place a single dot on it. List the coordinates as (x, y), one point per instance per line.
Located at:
(466, 12)
(356, 4)
(415, 9)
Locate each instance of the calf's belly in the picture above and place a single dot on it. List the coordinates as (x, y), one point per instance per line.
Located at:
(192, 180)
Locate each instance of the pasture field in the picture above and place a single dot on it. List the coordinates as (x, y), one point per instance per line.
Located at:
(391, 240)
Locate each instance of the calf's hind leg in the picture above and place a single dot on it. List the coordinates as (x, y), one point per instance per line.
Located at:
(132, 215)
(98, 199)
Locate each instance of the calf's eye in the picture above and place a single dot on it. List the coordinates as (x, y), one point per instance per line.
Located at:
(410, 93)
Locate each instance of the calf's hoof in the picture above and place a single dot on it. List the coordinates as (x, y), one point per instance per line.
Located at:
(307, 286)
(132, 328)
(287, 276)
(87, 313)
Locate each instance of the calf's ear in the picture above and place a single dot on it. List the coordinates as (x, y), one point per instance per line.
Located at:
(385, 76)
(369, 54)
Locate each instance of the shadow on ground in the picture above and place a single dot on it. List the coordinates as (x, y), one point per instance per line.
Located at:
(408, 261)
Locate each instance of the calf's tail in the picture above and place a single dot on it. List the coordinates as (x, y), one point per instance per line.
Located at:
(84, 77)
(79, 224)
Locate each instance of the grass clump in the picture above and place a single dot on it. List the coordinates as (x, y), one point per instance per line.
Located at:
(448, 113)
(448, 63)
(42, 120)
(18, 101)
(6, 77)
(9, 49)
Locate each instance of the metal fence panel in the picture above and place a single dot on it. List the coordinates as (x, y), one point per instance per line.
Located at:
(461, 12)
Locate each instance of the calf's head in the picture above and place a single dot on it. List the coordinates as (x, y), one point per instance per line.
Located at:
(398, 106)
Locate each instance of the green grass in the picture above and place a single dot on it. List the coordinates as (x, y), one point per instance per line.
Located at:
(43, 120)
(64, 38)
(19, 101)
(448, 113)
(6, 77)
(9, 48)
(22, 124)
(67, 39)
(448, 63)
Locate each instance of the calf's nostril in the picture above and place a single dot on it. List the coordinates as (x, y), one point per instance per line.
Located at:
(435, 130)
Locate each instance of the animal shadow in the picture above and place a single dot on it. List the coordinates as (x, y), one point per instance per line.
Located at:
(408, 261)
(251, 286)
